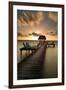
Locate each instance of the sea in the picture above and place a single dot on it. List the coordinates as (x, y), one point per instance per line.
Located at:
(51, 57)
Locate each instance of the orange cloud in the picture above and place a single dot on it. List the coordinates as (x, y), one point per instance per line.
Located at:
(31, 24)
(53, 16)
(30, 18)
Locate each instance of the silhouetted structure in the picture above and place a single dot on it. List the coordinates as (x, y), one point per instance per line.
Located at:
(42, 39)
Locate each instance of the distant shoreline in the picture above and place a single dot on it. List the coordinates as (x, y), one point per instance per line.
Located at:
(40, 40)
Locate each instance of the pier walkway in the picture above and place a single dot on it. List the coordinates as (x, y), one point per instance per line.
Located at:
(31, 68)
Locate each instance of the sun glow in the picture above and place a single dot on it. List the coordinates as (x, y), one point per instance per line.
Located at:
(34, 37)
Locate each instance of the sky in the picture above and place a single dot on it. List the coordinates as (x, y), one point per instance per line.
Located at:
(32, 24)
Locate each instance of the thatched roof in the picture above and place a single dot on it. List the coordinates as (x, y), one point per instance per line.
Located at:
(42, 37)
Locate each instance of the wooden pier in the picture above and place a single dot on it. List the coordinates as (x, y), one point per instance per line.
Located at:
(30, 50)
(32, 66)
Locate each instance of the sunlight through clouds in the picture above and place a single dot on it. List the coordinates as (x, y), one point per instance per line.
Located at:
(32, 22)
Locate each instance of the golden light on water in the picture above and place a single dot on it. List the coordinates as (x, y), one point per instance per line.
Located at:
(34, 37)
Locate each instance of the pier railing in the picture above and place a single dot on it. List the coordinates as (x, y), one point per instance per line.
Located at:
(31, 46)
(35, 42)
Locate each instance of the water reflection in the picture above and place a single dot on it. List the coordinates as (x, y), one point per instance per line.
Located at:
(50, 63)
(38, 65)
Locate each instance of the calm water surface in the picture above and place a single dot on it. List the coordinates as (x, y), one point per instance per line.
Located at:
(50, 60)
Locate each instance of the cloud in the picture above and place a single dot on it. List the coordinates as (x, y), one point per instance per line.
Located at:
(34, 34)
(26, 35)
(30, 18)
(44, 22)
(52, 33)
(22, 35)
(53, 16)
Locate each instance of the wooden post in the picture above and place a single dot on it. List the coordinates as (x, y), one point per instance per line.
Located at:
(21, 54)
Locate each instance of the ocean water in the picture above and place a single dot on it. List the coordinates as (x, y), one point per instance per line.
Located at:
(50, 66)
(20, 45)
